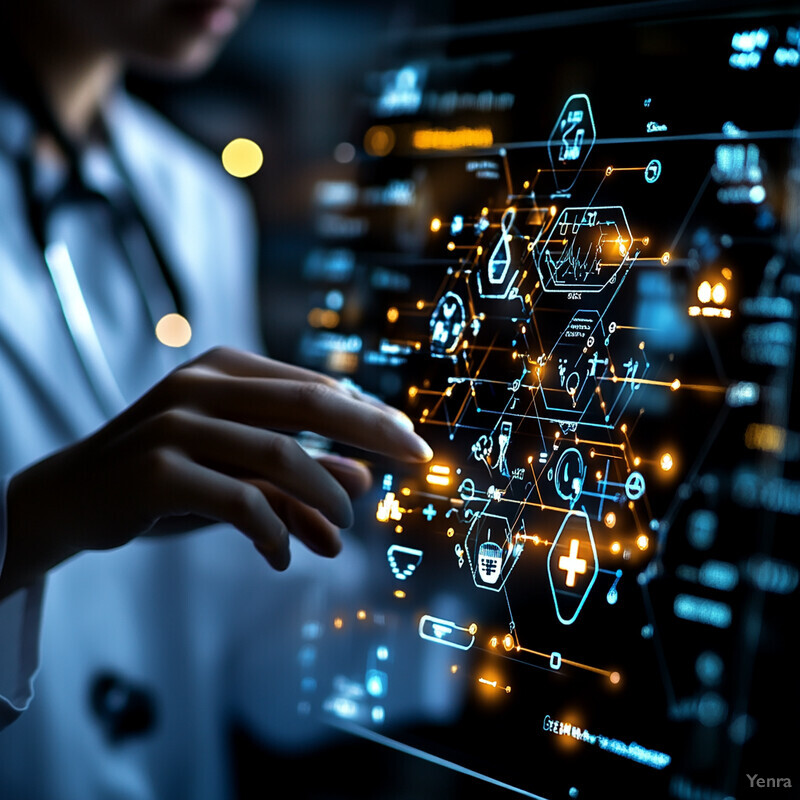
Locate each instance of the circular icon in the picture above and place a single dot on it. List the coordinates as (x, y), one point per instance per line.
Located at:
(447, 324)
(652, 171)
(569, 475)
(634, 486)
(467, 490)
(571, 383)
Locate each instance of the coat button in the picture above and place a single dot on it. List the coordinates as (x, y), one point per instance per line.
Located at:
(122, 708)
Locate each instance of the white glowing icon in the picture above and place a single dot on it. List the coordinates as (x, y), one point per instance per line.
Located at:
(490, 560)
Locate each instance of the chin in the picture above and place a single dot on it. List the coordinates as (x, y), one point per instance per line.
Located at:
(187, 39)
(185, 61)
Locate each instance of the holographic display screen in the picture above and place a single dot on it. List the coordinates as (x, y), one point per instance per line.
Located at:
(568, 253)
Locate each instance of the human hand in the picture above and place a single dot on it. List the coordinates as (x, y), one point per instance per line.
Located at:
(211, 440)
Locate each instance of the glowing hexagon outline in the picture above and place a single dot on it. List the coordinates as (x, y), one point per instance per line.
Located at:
(510, 291)
(582, 513)
(518, 548)
(580, 287)
(438, 351)
(553, 137)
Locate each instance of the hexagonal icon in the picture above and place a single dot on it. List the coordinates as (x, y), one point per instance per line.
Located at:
(585, 249)
(501, 260)
(492, 551)
(571, 140)
(578, 361)
(572, 565)
(447, 324)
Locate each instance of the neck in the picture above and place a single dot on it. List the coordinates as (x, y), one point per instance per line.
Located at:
(75, 76)
(76, 92)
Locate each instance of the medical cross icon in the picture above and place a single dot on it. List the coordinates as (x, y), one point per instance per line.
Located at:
(571, 564)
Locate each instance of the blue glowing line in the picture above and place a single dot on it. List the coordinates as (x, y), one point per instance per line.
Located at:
(603, 496)
(366, 733)
(587, 493)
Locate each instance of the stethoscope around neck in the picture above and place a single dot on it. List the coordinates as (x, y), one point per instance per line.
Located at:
(138, 245)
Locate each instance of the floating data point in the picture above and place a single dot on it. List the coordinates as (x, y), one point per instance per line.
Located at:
(242, 158)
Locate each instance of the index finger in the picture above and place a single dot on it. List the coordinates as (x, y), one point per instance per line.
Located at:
(244, 364)
(311, 406)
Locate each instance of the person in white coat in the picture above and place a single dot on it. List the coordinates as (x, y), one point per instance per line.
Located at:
(121, 666)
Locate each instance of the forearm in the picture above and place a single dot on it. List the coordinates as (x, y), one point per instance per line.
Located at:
(34, 544)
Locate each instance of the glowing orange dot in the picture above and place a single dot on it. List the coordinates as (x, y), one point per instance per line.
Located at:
(338, 622)
(642, 541)
(614, 677)
(361, 614)
(392, 314)
(398, 529)
(412, 391)
(473, 629)
(451, 246)
(675, 385)
(436, 224)
(704, 292)
(666, 462)
(616, 547)
(379, 140)
(610, 519)
(454, 668)
(420, 305)
(719, 293)
(665, 259)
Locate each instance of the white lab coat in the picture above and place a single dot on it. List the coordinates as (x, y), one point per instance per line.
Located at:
(198, 621)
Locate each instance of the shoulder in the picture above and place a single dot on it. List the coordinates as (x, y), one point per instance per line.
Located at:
(201, 215)
(181, 167)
